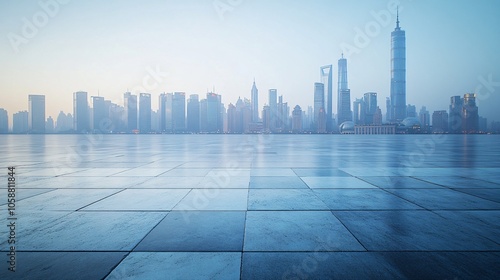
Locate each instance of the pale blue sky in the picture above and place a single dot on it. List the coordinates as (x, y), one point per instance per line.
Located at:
(109, 45)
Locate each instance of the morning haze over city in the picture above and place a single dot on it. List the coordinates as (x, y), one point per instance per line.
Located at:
(375, 67)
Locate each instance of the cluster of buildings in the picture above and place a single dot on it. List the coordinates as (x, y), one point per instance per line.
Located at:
(178, 113)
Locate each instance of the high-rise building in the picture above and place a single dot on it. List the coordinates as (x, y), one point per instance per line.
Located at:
(273, 109)
(145, 113)
(193, 114)
(398, 74)
(425, 117)
(319, 107)
(358, 111)
(344, 94)
(130, 105)
(162, 112)
(4, 121)
(470, 114)
(455, 116)
(231, 118)
(388, 117)
(81, 117)
(36, 118)
(440, 121)
(326, 75)
(411, 111)
(49, 125)
(377, 117)
(213, 115)
(370, 107)
(297, 119)
(99, 114)
(20, 122)
(64, 122)
(255, 103)
(266, 118)
(179, 112)
(283, 123)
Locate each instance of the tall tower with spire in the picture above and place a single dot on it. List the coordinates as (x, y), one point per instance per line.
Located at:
(255, 103)
(398, 73)
(326, 74)
(343, 94)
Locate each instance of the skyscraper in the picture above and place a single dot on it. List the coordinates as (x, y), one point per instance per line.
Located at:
(470, 114)
(326, 78)
(36, 118)
(358, 111)
(273, 109)
(162, 112)
(455, 116)
(145, 113)
(99, 114)
(81, 118)
(20, 122)
(179, 112)
(297, 119)
(130, 105)
(344, 94)
(213, 113)
(370, 107)
(255, 103)
(440, 121)
(4, 121)
(193, 113)
(319, 107)
(398, 74)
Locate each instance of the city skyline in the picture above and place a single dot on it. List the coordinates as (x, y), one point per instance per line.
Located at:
(60, 72)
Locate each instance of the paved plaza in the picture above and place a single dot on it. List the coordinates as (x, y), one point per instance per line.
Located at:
(253, 206)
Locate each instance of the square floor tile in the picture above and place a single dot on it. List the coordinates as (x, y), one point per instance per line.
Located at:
(143, 171)
(97, 172)
(460, 182)
(443, 199)
(214, 199)
(170, 183)
(224, 181)
(272, 172)
(320, 172)
(63, 265)
(192, 231)
(336, 183)
(391, 182)
(297, 231)
(64, 199)
(178, 265)
(137, 200)
(276, 182)
(488, 194)
(284, 199)
(186, 172)
(91, 231)
(362, 199)
(411, 231)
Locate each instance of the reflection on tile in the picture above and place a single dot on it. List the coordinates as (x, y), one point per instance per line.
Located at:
(284, 199)
(488, 194)
(484, 223)
(399, 182)
(362, 199)
(320, 172)
(444, 199)
(65, 199)
(398, 231)
(186, 172)
(277, 182)
(91, 231)
(460, 182)
(170, 183)
(136, 200)
(272, 172)
(214, 199)
(98, 172)
(223, 181)
(142, 171)
(63, 265)
(297, 231)
(336, 183)
(196, 231)
(178, 265)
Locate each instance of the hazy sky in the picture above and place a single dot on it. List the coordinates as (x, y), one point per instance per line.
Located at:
(195, 45)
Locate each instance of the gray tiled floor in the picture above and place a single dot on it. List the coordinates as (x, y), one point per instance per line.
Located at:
(254, 207)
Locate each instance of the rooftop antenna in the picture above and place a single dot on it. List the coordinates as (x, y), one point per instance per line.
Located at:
(397, 17)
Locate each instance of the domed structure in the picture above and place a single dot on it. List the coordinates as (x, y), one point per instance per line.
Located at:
(346, 127)
(411, 122)
(411, 125)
